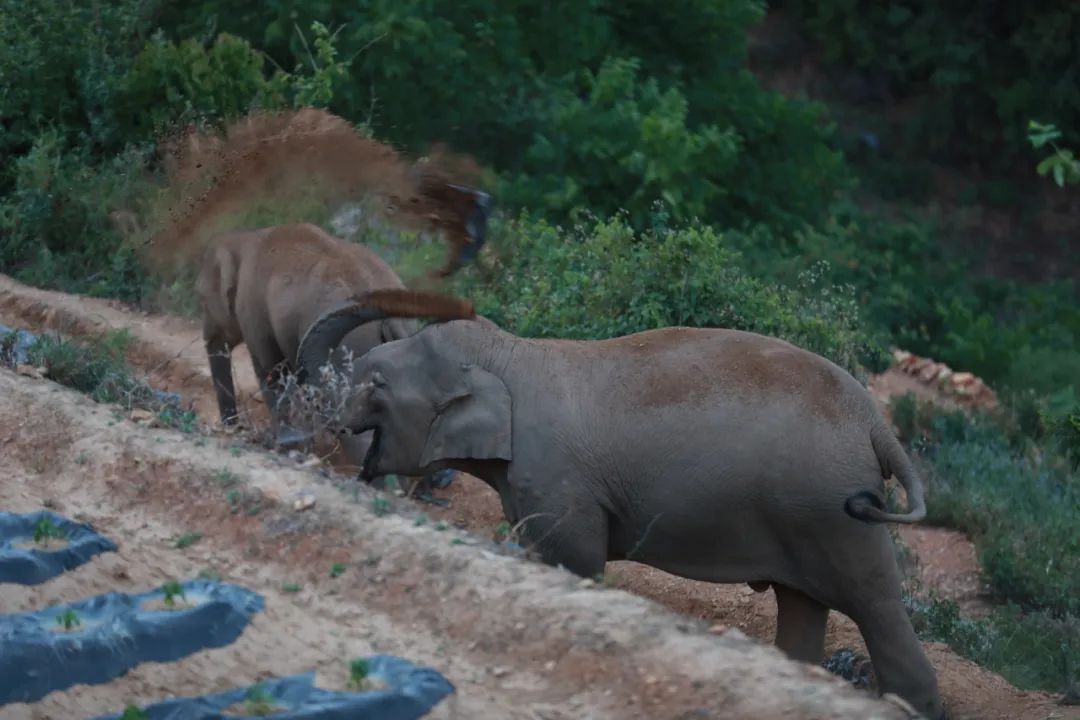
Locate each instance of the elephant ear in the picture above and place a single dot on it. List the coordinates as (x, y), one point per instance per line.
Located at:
(472, 420)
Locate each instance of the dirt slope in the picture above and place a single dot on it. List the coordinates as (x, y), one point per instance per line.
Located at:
(169, 349)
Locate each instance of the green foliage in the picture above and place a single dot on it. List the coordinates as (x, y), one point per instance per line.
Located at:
(258, 702)
(96, 367)
(337, 569)
(1032, 650)
(576, 104)
(172, 590)
(969, 78)
(1012, 334)
(133, 712)
(623, 145)
(381, 506)
(45, 530)
(187, 540)
(1018, 507)
(1062, 165)
(175, 83)
(54, 225)
(1064, 430)
(69, 620)
(65, 178)
(358, 673)
(604, 279)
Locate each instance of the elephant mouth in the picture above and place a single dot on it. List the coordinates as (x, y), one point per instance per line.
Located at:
(371, 457)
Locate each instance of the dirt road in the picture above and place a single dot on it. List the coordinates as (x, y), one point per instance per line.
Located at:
(518, 639)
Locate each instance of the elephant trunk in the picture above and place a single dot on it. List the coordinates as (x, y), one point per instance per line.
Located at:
(333, 325)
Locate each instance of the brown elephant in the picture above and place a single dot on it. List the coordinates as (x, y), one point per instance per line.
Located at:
(264, 288)
(713, 454)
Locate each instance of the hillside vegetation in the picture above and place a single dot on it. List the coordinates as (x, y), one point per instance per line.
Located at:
(645, 177)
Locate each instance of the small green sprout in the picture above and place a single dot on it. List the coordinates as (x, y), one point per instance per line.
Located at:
(187, 540)
(226, 478)
(258, 702)
(81, 458)
(336, 569)
(44, 530)
(421, 519)
(440, 526)
(502, 531)
(172, 590)
(133, 712)
(290, 587)
(381, 506)
(457, 541)
(358, 673)
(68, 619)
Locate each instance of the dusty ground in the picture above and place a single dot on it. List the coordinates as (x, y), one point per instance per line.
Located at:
(502, 671)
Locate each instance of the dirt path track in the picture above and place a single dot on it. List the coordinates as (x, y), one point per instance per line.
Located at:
(169, 351)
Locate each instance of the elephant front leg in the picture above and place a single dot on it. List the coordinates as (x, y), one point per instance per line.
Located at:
(575, 538)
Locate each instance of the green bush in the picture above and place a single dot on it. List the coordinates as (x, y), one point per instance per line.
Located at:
(969, 77)
(1019, 507)
(54, 225)
(61, 64)
(1032, 650)
(594, 105)
(603, 279)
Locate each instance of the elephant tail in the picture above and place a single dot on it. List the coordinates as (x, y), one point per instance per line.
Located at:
(867, 506)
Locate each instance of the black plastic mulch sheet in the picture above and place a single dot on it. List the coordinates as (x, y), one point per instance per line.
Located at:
(114, 633)
(410, 692)
(25, 562)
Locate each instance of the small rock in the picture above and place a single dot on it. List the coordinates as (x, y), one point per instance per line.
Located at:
(587, 583)
(651, 680)
(718, 629)
(312, 461)
(304, 502)
(30, 371)
(549, 665)
(499, 671)
(141, 416)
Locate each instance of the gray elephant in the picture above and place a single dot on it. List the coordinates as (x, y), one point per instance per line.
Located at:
(713, 454)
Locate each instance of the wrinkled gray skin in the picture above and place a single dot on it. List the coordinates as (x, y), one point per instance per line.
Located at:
(717, 455)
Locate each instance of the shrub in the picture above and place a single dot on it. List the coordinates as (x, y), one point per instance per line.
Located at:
(1019, 508)
(1031, 650)
(603, 279)
(54, 226)
(970, 77)
(633, 101)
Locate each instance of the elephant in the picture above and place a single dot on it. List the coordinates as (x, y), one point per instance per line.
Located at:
(263, 288)
(713, 454)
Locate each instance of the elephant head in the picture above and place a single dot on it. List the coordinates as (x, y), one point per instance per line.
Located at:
(425, 407)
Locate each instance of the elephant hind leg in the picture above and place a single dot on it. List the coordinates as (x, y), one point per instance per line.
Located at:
(900, 664)
(871, 596)
(800, 625)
